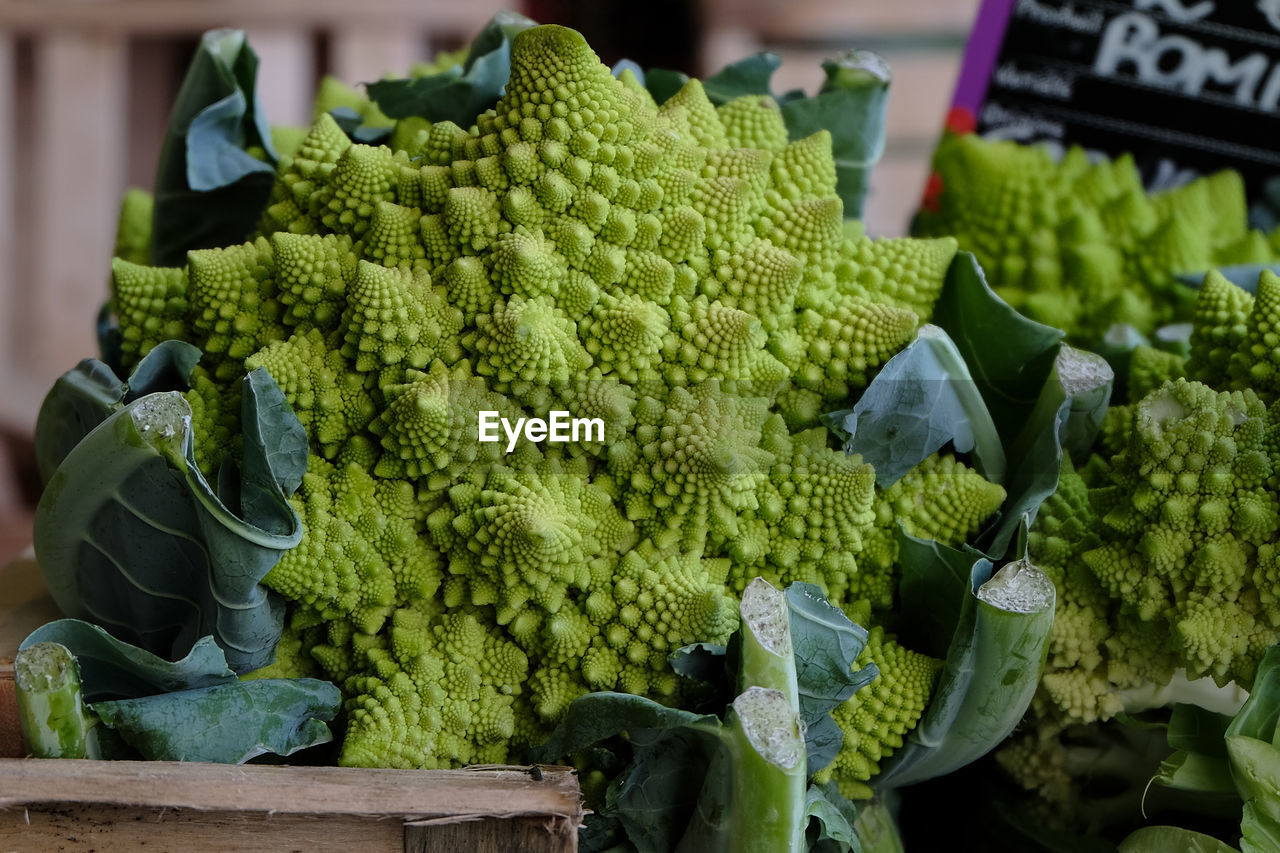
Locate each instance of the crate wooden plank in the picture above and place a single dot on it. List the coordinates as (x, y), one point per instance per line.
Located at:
(117, 805)
(528, 835)
(286, 73)
(78, 161)
(821, 19)
(105, 829)
(471, 794)
(364, 54)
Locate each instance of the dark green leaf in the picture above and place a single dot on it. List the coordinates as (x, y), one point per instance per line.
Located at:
(594, 717)
(1195, 729)
(826, 646)
(933, 590)
(226, 723)
(1260, 715)
(749, 76)
(700, 662)
(210, 188)
(662, 83)
(130, 536)
(923, 398)
(112, 669)
(1008, 355)
(1172, 839)
(834, 817)
(84, 397)
(1197, 773)
(1067, 416)
(661, 794)
(991, 672)
(460, 93)
(852, 108)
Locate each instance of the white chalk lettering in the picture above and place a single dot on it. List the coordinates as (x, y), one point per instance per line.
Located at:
(1133, 45)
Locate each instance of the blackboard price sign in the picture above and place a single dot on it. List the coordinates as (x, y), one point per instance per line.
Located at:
(1187, 86)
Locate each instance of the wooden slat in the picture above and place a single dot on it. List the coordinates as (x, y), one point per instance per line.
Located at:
(364, 54)
(187, 16)
(409, 794)
(823, 19)
(286, 73)
(78, 172)
(526, 835)
(111, 829)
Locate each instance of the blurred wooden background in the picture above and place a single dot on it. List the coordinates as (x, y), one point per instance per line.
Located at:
(86, 85)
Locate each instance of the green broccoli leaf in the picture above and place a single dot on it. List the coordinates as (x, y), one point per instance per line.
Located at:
(826, 645)
(217, 165)
(459, 93)
(922, 398)
(749, 76)
(851, 105)
(130, 536)
(1166, 839)
(86, 396)
(832, 818)
(226, 723)
(1008, 355)
(1066, 417)
(991, 672)
(113, 669)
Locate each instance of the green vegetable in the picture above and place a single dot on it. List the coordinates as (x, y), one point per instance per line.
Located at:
(216, 160)
(192, 709)
(746, 772)
(134, 477)
(51, 711)
(681, 272)
(1080, 245)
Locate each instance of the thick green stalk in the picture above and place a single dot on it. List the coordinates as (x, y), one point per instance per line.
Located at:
(764, 736)
(55, 721)
(767, 656)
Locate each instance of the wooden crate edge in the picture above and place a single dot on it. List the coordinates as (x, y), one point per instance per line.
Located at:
(411, 795)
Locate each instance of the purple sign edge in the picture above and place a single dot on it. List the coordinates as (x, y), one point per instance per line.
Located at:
(981, 52)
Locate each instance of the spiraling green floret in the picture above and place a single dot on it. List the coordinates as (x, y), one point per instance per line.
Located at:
(1187, 510)
(876, 718)
(439, 689)
(680, 274)
(150, 304)
(940, 499)
(812, 517)
(363, 550)
(1081, 245)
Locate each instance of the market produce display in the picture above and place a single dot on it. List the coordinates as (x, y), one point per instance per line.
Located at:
(528, 410)
(1079, 244)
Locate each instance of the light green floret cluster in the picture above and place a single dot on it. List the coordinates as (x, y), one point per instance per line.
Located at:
(1080, 245)
(1165, 546)
(680, 272)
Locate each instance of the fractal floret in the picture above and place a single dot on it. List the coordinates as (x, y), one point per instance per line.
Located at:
(680, 273)
(1080, 245)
